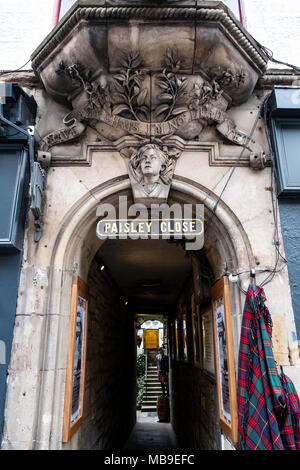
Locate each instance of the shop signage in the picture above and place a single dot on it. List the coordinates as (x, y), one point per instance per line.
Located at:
(167, 227)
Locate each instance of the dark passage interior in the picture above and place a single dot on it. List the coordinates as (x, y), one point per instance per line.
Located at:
(129, 279)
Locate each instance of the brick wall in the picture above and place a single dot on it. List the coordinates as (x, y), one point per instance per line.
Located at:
(110, 407)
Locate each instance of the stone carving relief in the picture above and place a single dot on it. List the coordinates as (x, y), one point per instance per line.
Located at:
(150, 107)
(150, 168)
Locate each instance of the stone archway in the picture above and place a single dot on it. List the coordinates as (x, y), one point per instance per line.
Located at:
(74, 249)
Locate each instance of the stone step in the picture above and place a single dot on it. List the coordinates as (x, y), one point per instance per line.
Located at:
(148, 409)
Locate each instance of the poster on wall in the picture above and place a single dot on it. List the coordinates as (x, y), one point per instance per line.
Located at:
(224, 359)
(208, 342)
(151, 339)
(75, 380)
(78, 357)
(196, 331)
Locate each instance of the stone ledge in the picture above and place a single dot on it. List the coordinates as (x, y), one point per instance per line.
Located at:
(206, 11)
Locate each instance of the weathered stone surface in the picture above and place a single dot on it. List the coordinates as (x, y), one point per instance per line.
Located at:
(91, 170)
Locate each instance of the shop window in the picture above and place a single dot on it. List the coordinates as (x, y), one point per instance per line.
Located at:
(285, 125)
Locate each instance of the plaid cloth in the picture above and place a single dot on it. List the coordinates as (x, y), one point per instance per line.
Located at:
(261, 398)
(291, 427)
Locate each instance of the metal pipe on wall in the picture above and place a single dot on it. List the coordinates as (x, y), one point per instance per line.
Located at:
(56, 12)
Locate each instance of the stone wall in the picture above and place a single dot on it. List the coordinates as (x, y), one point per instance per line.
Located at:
(194, 408)
(109, 405)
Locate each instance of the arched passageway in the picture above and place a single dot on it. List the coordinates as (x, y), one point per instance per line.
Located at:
(128, 279)
(110, 371)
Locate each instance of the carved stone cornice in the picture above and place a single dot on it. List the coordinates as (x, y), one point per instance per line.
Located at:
(149, 79)
(279, 77)
(26, 79)
(205, 13)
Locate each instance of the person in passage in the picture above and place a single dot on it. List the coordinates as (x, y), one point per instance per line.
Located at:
(163, 371)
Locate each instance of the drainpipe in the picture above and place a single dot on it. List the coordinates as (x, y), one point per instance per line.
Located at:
(242, 13)
(56, 12)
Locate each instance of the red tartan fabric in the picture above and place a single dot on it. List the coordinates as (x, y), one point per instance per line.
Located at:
(268, 406)
(291, 428)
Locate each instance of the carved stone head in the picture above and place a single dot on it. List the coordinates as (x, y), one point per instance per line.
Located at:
(148, 169)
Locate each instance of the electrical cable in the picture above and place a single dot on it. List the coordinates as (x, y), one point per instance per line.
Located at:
(249, 138)
(270, 56)
(272, 272)
(263, 107)
(275, 209)
(17, 70)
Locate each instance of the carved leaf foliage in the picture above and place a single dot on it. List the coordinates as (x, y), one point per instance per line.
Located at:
(160, 109)
(165, 96)
(142, 97)
(177, 111)
(120, 108)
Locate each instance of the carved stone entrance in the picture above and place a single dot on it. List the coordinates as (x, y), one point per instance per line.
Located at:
(159, 104)
(73, 250)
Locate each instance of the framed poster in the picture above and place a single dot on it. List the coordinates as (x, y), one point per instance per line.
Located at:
(75, 380)
(196, 332)
(151, 339)
(208, 342)
(182, 331)
(224, 359)
(184, 336)
(176, 339)
(196, 279)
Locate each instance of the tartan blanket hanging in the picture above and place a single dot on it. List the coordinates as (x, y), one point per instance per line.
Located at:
(268, 405)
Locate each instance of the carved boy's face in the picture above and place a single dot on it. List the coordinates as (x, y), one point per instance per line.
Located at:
(151, 163)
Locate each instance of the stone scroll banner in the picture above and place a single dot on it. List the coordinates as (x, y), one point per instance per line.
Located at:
(75, 127)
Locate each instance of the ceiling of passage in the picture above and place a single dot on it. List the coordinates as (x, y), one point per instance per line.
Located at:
(150, 273)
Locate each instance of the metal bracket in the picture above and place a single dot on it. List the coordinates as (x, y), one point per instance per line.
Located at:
(44, 158)
(258, 160)
(37, 189)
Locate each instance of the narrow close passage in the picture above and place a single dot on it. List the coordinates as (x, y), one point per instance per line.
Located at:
(148, 433)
